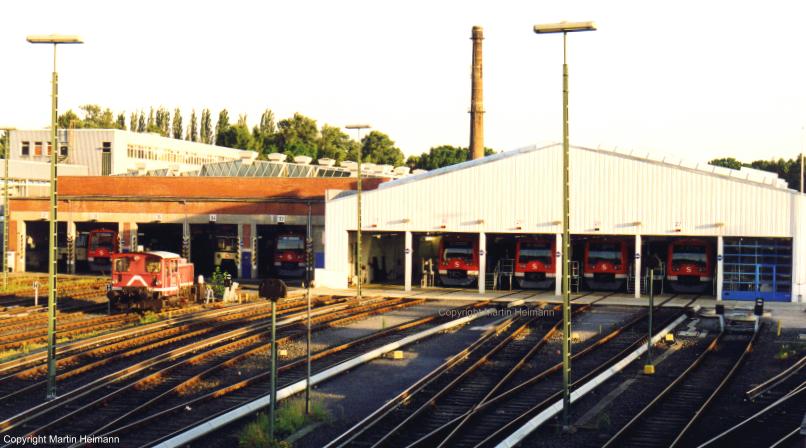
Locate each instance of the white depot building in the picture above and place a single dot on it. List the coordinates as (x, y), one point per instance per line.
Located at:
(743, 231)
(112, 151)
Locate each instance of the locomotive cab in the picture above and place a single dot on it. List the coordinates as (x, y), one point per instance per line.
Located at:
(101, 244)
(149, 280)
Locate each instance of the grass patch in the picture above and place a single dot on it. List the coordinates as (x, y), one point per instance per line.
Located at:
(149, 317)
(290, 419)
(8, 355)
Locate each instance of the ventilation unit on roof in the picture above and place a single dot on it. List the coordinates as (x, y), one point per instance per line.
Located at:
(277, 157)
(303, 160)
(401, 170)
(326, 162)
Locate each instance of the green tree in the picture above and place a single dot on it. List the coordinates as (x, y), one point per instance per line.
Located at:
(133, 122)
(726, 162)
(377, 147)
(151, 125)
(206, 127)
(69, 120)
(334, 144)
(95, 118)
(443, 155)
(177, 124)
(236, 136)
(297, 135)
(141, 122)
(120, 123)
(162, 122)
(221, 125)
(264, 135)
(192, 129)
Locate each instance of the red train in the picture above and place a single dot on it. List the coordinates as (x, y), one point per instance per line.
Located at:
(605, 263)
(149, 280)
(289, 255)
(101, 244)
(458, 260)
(535, 262)
(689, 266)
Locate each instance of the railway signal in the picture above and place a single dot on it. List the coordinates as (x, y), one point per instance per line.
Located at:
(649, 367)
(273, 289)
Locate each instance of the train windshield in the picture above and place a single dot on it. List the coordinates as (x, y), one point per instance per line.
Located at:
(604, 252)
(102, 240)
(534, 251)
(689, 253)
(152, 265)
(122, 265)
(227, 244)
(290, 242)
(458, 250)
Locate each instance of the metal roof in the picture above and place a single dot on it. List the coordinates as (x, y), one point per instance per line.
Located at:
(746, 174)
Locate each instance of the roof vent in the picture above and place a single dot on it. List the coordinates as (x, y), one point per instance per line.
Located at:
(303, 160)
(350, 165)
(401, 170)
(277, 157)
(326, 162)
(418, 171)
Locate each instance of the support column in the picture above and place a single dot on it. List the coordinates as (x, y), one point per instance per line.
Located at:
(720, 263)
(133, 243)
(186, 240)
(482, 262)
(71, 247)
(558, 266)
(253, 248)
(637, 266)
(408, 250)
(22, 246)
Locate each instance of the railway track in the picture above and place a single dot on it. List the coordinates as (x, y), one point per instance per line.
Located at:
(776, 423)
(519, 394)
(668, 418)
(158, 404)
(77, 371)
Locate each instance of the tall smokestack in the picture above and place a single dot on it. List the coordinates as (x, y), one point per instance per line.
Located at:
(477, 99)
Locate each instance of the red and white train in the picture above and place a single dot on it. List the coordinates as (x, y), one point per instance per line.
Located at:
(535, 262)
(101, 244)
(289, 255)
(458, 260)
(689, 266)
(149, 280)
(605, 264)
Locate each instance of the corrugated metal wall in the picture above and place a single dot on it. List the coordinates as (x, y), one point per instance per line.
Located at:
(610, 191)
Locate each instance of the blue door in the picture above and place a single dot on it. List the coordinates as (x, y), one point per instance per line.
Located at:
(246, 264)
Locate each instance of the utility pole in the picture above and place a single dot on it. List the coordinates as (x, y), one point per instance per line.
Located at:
(308, 278)
(358, 128)
(55, 40)
(6, 157)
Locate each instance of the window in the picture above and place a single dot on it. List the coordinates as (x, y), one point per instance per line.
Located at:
(107, 147)
(152, 265)
(122, 264)
(50, 148)
(63, 151)
(38, 149)
(25, 150)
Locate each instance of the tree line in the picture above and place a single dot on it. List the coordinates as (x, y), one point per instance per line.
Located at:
(295, 135)
(789, 170)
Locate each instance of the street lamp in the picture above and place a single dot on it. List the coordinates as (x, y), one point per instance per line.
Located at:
(53, 39)
(6, 157)
(565, 28)
(358, 128)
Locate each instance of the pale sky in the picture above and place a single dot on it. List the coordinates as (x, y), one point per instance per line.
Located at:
(698, 79)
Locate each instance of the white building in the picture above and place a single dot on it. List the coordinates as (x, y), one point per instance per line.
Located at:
(751, 219)
(112, 151)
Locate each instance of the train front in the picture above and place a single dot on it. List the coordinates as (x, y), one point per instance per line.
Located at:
(135, 276)
(535, 263)
(458, 261)
(689, 266)
(605, 264)
(289, 255)
(102, 243)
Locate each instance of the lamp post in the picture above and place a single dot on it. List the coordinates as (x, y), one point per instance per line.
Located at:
(6, 157)
(308, 278)
(53, 39)
(565, 28)
(358, 128)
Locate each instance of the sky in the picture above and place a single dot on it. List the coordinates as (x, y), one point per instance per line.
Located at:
(690, 78)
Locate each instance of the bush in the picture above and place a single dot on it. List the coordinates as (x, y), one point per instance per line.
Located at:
(218, 282)
(290, 419)
(149, 317)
